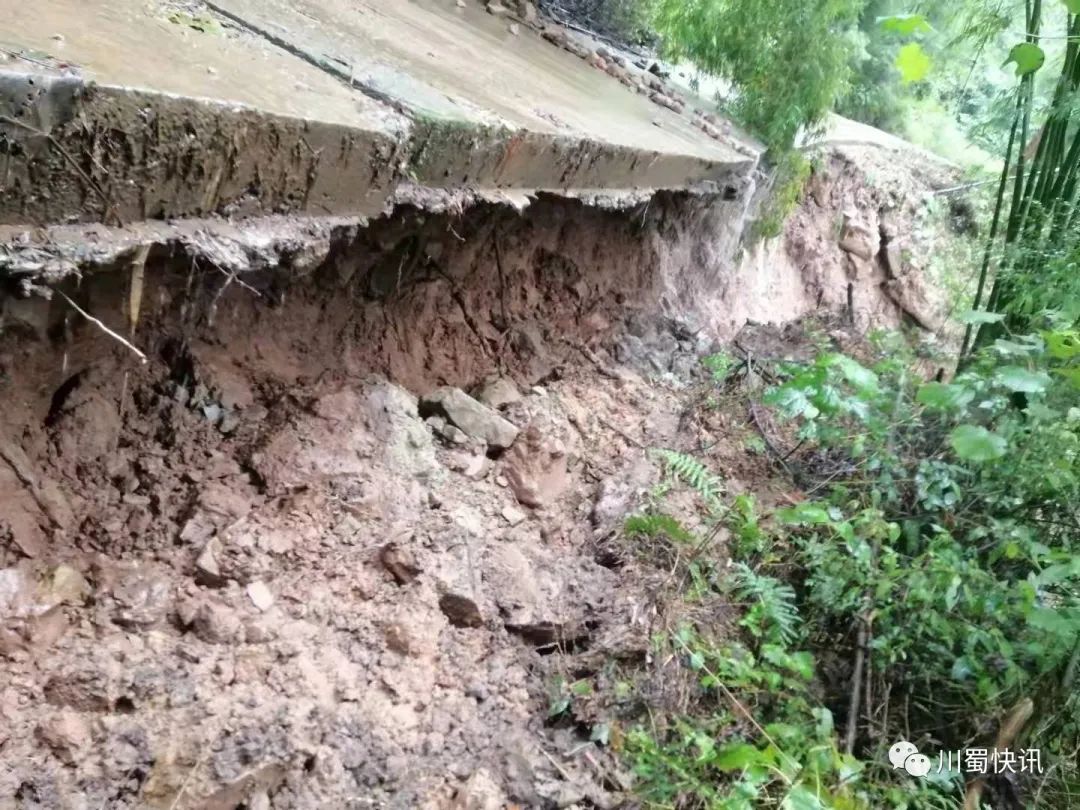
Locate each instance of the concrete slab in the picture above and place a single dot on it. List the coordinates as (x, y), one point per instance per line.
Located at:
(118, 110)
(110, 112)
(544, 118)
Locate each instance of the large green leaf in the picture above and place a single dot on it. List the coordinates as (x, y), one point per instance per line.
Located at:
(905, 24)
(1028, 57)
(913, 63)
(858, 375)
(1017, 378)
(944, 396)
(793, 402)
(1070, 374)
(1064, 344)
(975, 443)
(738, 756)
(804, 514)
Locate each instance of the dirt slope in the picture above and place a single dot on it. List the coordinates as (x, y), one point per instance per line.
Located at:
(279, 565)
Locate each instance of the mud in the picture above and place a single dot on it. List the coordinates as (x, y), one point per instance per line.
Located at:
(249, 571)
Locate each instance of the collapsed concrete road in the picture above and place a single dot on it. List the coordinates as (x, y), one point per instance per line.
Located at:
(119, 110)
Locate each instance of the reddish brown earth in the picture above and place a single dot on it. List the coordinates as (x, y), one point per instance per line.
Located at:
(249, 571)
(257, 572)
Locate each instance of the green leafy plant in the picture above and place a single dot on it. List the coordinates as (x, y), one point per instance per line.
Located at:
(789, 177)
(657, 525)
(959, 544)
(719, 365)
(772, 616)
(694, 474)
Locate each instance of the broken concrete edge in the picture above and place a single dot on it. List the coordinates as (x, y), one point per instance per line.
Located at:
(84, 152)
(89, 152)
(46, 257)
(35, 259)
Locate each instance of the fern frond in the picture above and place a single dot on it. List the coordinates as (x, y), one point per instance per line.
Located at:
(774, 615)
(653, 526)
(693, 473)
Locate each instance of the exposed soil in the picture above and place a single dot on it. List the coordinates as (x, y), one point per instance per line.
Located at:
(249, 570)
(257, 571)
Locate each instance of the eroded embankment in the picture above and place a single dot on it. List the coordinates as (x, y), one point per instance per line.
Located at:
(278, 565)
(249, 570)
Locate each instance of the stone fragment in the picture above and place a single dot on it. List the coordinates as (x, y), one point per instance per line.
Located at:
(909, 293)
(527, 11)
(495, 392)
(217, 623)
(228, 500)
(480, 792)
(399, 562)
(207, 567)
(477, 468)
(618, 495)
(857, 238)
(471, 466)
(260, 630)
(44, 630)
(85, 689)
(474, 418)
(143, 598)
(536, 469)
(16, 593)
(63, 585)
(556, 36)
(260, 595)
(66, 733)
(894, 260)
(513, 515)
(461, 611)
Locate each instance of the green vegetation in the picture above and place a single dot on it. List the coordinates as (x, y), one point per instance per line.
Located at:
(939, 574)
(1035, 247)
(787, 58)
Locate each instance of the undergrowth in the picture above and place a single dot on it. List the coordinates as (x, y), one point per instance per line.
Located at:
(929, 592)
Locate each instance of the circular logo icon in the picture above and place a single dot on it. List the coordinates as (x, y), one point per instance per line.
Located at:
(900, 751)
(917, 765)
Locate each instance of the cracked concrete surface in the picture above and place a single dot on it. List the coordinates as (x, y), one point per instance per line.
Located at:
(123, 110)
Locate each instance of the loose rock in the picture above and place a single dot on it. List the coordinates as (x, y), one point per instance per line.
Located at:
(66, 733)
(497, 392)
(536, 469)
(460, 610)
(260, 595)
(513, 515)
(399, 562)
(207, 567)
(217, 623)
(474, 418)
